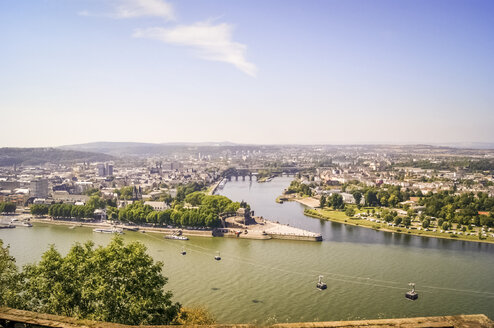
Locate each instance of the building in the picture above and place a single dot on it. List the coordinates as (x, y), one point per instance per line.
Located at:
(82, 186)
(105, 169)
(157, 206)
(101, 170)
(109, 169)
(38, 188)
(65, 197)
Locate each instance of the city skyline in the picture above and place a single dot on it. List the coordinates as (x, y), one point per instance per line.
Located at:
(336, 72)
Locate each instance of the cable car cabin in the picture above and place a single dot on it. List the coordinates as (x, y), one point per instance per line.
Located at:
(412, 294)
(321, 285)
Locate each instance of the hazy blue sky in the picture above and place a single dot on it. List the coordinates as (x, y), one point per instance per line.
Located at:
(246, 71)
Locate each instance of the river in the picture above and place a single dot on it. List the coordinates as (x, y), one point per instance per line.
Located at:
(270, 281)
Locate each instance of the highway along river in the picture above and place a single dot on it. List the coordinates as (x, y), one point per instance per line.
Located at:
(268, 281)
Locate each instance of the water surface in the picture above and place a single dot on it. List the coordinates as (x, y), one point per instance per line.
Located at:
(367, 271)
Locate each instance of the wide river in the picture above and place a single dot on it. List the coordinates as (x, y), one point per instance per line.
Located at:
(269, 281)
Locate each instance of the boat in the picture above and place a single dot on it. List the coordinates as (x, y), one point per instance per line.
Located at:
(412, 294)
(6, 226)
(16, 222)
(176, 237)
(217, 256)
(321, 285)
(106, 230)
(222, 184)
(130, 228)
(183, 252)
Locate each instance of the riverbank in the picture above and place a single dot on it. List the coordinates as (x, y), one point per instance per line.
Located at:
(103, 225)
(266, 230)
(341, 217)
(306, 201)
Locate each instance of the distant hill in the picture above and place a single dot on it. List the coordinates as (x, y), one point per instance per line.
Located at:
(471, 145)
(142, 149)
(39, 156)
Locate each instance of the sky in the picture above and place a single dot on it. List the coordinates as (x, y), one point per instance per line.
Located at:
(258, 72)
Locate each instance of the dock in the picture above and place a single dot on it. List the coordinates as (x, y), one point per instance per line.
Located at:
(260, 228)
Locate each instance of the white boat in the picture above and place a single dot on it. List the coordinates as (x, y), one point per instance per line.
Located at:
(106, 230)
(130, 228)
(17, 222)
(176, 237)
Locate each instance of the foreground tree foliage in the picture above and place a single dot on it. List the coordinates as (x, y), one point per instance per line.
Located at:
(8, 276)
(117, 283)
(195, 316)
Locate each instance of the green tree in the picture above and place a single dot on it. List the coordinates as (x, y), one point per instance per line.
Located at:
(194, 198)
(445, 225)
(125, 192)
(337, 201)
(39, 209)
(322, 201)
(8, 277)
(350, 212)
(357, 195)
(96, 202)
(371, 198)
(7, 207)
(117, 283)
(393, 200)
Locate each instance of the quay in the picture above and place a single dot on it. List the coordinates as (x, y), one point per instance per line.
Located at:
(261, 230)
(243, 224)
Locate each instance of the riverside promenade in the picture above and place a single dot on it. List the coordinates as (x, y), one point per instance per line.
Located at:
(261, 231)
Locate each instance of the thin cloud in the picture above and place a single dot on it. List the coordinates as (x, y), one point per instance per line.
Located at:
(136, 8)
(139, 8)
(214, 42)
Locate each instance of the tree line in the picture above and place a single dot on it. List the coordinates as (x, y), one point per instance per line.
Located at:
(69, 211)
(7, 207)
(297, 187)
(463, 209)
(197, 210)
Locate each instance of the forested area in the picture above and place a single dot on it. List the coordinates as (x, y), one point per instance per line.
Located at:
(465, 208)
(298, 187)
(191, 208)
(68, 211)
(203, 211)
(38, 156)
(467, 165)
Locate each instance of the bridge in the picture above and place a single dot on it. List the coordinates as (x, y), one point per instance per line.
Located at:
(251, 172)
